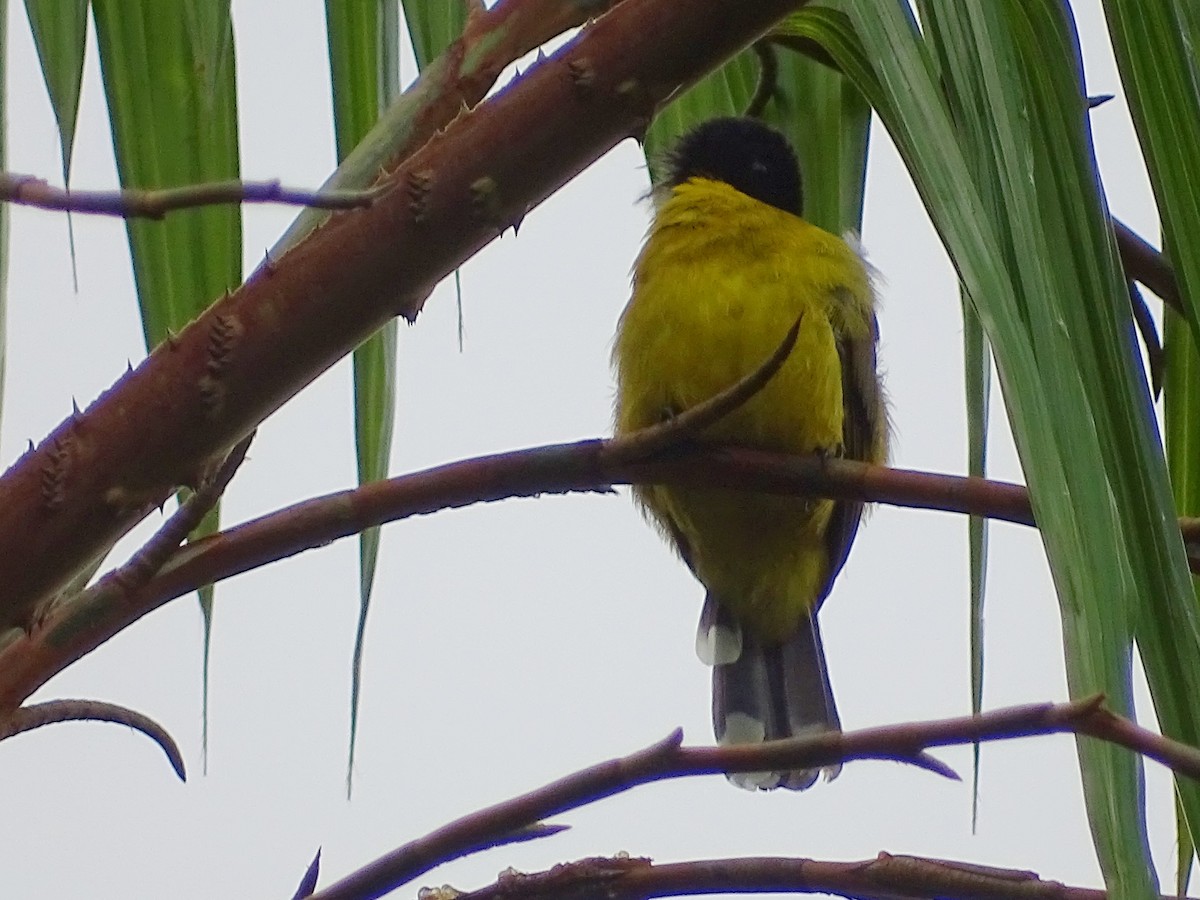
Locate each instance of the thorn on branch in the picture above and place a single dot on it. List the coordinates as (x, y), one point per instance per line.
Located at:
(55, 469)
(308, 881)
(419, 186)
(583, 77)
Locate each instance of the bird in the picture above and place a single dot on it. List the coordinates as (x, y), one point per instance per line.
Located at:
(728, 266)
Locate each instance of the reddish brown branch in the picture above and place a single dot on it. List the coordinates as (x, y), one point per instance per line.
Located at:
(668, 759)
(28, 718)
(28, 190)
(1174, 755)
(99, 473)
(1144, 263)
(150, 558)
(457, 80)
(886, 877)
(74, 629)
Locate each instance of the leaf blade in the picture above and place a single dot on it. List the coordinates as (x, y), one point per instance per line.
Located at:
(364, 69)
(173, 109)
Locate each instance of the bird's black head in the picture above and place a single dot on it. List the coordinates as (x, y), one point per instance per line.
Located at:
(745, 154)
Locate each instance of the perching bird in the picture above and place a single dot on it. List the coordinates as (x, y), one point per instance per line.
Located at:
(728, 267)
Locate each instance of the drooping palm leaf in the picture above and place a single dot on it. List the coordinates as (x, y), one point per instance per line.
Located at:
(169, 81)
(364, 68)
(1003, 118)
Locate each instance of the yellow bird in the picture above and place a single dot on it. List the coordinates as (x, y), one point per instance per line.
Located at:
(728, 267)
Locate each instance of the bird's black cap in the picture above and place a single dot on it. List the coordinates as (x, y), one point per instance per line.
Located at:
(745, 154)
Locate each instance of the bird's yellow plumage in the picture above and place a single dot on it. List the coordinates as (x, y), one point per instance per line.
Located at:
(722, 277)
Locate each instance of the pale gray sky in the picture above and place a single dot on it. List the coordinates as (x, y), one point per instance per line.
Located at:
(509, 644)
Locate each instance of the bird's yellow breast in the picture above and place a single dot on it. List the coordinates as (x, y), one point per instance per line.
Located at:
(718, 284)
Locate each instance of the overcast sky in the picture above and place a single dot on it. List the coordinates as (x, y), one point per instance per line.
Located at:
(511, 643)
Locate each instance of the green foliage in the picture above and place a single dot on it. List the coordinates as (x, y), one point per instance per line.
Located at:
(988, 109)
(60, 34)
(986, 104)
(364, 63)
(172, 101)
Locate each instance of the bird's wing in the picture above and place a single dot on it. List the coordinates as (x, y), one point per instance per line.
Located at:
(861, 426)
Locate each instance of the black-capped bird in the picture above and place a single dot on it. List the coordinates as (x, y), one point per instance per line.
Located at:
(728, 267)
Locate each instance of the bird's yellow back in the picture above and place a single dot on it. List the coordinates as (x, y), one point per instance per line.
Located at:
(721, 279)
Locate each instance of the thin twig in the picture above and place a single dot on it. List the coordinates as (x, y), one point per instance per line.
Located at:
(646, 442)
(768, 78)
(668, 759)
(52, 711)
(150, 558)
(1108, 726)
(1150, 340)
(29, 190)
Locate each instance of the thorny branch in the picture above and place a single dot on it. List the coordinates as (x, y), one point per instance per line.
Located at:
(886, 877)
(99, 473)
(114, 586)
(74, 629)
(669, 759)
(153, 555)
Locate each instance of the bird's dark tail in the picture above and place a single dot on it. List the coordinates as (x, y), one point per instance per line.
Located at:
(767, 691)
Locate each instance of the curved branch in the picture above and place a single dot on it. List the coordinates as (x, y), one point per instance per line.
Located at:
(768, 78)
(886, 877)
(150, 558)
(668, 759)
(75, 628)
(28, 718)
